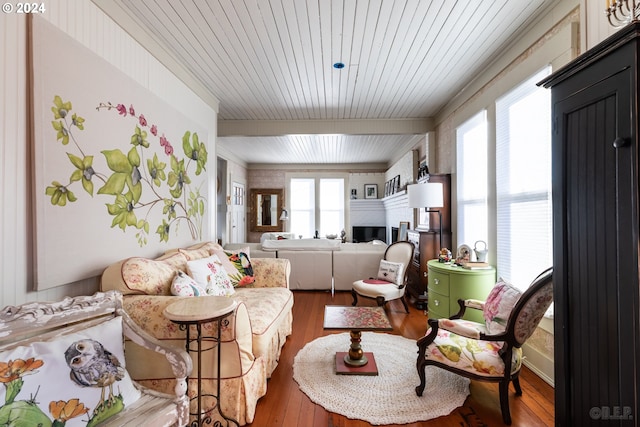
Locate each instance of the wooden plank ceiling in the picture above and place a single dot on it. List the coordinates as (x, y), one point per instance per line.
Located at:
(267, 60)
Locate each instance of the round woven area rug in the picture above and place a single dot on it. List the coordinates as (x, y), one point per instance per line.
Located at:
(389, 397)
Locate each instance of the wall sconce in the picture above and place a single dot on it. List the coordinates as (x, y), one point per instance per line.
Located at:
(284, 216)
(427, 195)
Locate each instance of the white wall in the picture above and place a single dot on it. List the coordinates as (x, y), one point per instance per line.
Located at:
(85, 22)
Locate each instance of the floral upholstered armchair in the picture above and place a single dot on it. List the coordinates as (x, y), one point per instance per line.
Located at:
(490, 351)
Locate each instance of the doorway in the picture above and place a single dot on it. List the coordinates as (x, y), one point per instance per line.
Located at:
(238, 216)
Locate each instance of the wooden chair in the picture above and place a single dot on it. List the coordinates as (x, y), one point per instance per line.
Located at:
(478, 351)
(384, 291)
(36, 322)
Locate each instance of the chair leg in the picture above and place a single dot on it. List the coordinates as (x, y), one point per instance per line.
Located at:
(516, 385)
(380, 301)
(421, 373)
(504, 402)
(404, 302)
(354, 294)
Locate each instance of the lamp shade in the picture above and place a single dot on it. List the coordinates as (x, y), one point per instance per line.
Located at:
(425, 195)
(284, 216)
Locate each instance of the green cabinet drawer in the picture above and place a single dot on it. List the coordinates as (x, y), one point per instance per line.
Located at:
(438, 305)
(438, 282)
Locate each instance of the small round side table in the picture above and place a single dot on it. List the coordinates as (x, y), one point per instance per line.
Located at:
(196, 311)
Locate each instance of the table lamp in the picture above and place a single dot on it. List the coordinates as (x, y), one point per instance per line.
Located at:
(427, 195)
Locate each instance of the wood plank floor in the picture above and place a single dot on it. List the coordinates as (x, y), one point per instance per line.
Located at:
(285, 405)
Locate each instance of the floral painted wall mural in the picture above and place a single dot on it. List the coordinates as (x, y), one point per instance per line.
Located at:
(136, 182)
(117, 171)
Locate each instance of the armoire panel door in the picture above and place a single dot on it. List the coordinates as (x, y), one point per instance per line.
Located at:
(596, 251)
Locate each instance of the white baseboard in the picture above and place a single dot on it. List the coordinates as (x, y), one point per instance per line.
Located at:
(539, 363)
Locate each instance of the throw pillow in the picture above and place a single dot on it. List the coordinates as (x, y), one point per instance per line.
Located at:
(220, 284)
(74, 380)
(185, 286)
(237, 265)
(391, 271)
(498, 306)
(210, 275)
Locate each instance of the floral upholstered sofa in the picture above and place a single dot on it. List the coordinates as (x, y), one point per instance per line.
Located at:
(252, 337)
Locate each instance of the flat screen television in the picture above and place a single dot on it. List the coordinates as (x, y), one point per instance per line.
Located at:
(368, 233)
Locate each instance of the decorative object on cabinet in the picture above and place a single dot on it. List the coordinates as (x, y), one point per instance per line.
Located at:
(595, 102)
(447, 283)
(445, 255)
(474, 350)
(371, 191)
(481, 250)
(463, 254)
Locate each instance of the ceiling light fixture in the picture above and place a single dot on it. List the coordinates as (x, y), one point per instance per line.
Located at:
(338, 65)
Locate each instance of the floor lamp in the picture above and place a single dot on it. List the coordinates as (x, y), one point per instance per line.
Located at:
(427, 195)
(284, 216)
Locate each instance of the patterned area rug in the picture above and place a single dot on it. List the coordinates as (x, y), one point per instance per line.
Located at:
(388, 398)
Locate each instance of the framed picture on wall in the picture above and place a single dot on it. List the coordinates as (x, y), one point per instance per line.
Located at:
(371, 191)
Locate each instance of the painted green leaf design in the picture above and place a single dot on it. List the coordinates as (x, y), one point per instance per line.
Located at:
(60, 108)
(60, 194)
(196, 151)
(139, 137)
(117, 161)
(77, 121)
(123, 211)
(451, 352)
(63, 133)
(114, 185)
(76, 161)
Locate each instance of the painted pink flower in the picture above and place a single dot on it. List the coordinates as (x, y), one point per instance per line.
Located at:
(132, 111)
(122, 110)
(154, 130)
(163, 141)
(168, 149)
(142, 120)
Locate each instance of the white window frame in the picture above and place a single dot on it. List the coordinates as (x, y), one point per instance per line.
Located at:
(317, 177)
(472, 183)
(523, 182)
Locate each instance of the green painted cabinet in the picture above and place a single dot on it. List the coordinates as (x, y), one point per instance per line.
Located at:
(447, 283)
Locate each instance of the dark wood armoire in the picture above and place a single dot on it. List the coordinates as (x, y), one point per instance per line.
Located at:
(596, 221)
(427, 244)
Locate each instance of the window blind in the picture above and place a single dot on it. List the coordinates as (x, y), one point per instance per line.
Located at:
(523, 182)
(472, 183)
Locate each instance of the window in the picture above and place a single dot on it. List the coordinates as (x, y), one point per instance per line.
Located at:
(317, 204)
(302, 203)
(523, 180)
(472, 171)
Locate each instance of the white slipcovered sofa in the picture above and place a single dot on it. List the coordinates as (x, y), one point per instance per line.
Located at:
(356, 261)
(323, 264)
(252, 337)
